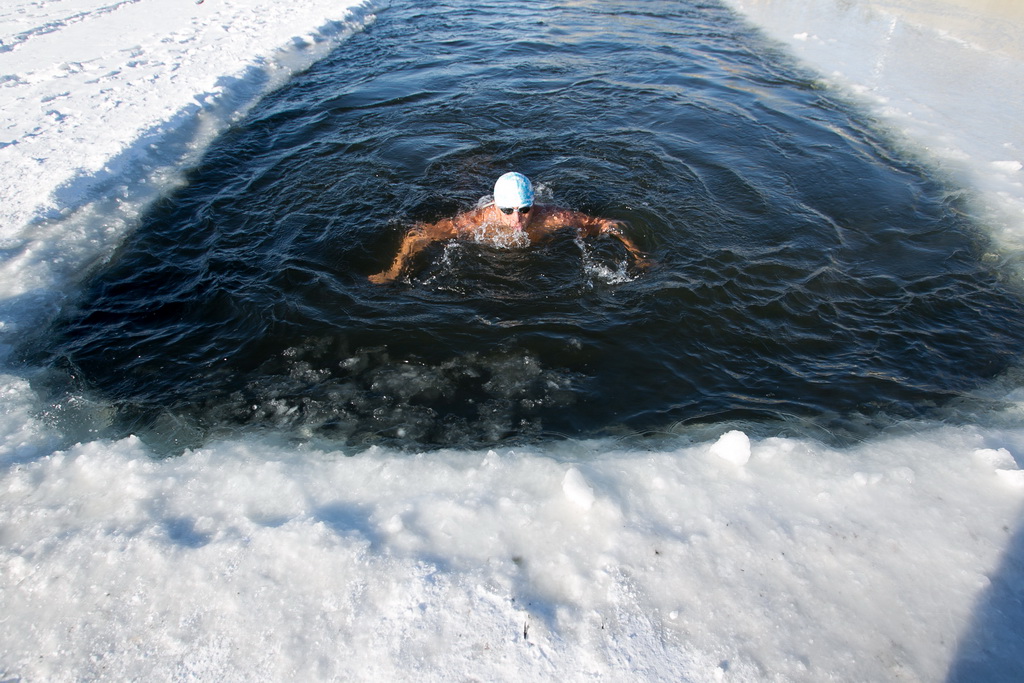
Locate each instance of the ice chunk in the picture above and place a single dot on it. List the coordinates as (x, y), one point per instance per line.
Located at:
(577, 490)
(733, 446)
(1014, 477)
(394, 525)
(998, 458)
(903, 475)
(1010, 166)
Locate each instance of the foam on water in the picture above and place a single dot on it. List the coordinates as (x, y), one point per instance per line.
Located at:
(731, 558)
(491, 235)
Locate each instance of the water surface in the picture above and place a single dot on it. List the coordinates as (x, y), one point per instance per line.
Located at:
(808, 277)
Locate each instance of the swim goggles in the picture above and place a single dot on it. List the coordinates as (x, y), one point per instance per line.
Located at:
(522, 209)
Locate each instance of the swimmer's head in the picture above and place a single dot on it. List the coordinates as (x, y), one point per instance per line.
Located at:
(513, 191)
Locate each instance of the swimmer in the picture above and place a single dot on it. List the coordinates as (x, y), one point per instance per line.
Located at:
(512, 214)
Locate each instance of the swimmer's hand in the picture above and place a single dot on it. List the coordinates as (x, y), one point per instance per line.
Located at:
(614, 228)
(381, 278)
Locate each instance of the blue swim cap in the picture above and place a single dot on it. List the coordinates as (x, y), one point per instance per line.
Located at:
(512, 191)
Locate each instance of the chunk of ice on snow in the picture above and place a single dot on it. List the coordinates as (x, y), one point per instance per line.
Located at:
(1010, 166)
(576, 489)
(733, 446)
(998, 458)
(1014, 478)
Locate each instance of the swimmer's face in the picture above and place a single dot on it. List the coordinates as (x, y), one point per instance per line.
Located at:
(518, 217)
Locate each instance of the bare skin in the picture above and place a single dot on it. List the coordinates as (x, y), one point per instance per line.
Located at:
(538, 223)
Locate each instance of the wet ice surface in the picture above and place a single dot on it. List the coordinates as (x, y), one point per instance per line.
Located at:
(701, 560)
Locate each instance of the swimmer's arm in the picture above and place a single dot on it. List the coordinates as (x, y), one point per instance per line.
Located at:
(415, 241)
(591, 226)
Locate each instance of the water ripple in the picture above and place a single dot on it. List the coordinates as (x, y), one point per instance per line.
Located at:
(807, 276)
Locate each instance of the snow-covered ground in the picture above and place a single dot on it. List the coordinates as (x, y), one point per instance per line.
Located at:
(778, 559)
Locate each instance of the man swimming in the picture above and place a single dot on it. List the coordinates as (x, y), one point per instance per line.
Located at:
(512, 219)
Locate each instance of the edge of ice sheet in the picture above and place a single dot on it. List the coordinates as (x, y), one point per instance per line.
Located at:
(245, 560)
(105, 103)
(945, 75)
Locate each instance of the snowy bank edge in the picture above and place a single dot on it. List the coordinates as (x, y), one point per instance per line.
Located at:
(56, 229)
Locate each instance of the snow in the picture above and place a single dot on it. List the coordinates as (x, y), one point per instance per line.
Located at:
(738, 558)
(103, 101)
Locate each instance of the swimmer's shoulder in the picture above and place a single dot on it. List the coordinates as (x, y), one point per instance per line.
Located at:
(558, 216)
(468, 221)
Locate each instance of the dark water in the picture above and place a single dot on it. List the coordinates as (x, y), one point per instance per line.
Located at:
(806, 275)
